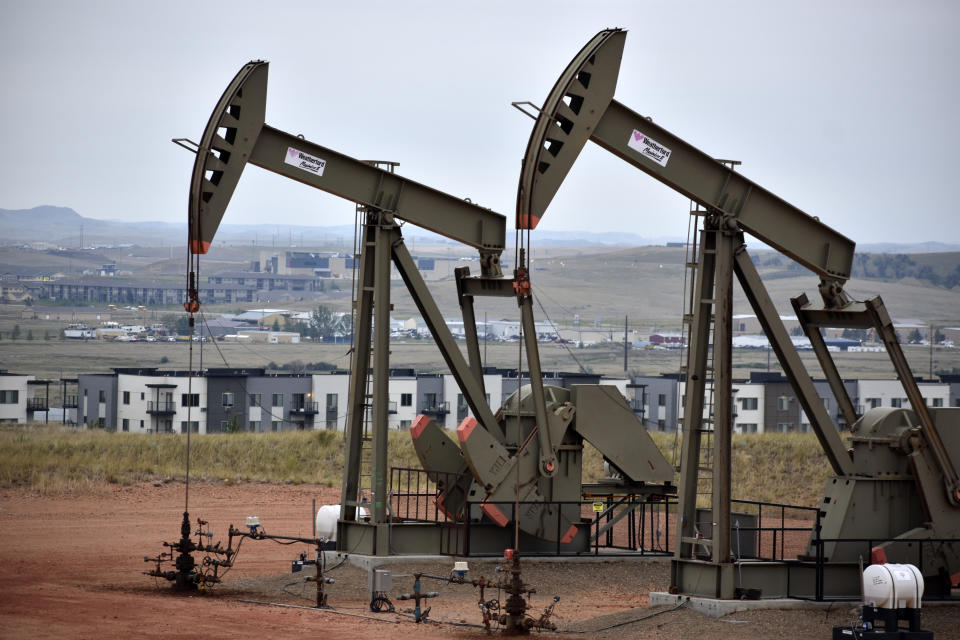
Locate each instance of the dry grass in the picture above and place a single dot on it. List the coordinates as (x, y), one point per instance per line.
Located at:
(786, 468)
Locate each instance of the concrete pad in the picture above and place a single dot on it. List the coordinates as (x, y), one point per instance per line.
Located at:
(371, 562)
(719, 608)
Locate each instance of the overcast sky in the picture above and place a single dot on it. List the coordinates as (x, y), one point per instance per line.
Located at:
(849, 110)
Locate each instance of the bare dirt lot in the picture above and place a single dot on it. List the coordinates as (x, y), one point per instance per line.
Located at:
(70, 567)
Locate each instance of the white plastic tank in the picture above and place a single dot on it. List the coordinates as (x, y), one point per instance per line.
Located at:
(892, 586)
(327, 517)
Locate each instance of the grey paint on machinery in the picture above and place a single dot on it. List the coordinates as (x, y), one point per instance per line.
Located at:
(533, 445)
(899, 481)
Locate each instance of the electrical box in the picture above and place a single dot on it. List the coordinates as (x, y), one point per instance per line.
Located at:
(381, 581)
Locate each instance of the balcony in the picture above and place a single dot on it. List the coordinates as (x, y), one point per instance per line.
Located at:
(305, 409)
(70, 402)
(37, 404)
(163, 407)
(437, 409)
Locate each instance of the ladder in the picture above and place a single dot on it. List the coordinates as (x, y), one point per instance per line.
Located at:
(693, 308)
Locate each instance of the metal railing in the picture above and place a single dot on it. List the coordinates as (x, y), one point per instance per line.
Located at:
(437, 408)
(306, 407)
(162, 406)
(36, 404)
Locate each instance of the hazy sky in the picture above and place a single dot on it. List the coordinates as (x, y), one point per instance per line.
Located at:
(849, 110)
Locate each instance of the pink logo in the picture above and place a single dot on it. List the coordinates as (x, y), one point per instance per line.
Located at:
(638, 136)
(292, 152)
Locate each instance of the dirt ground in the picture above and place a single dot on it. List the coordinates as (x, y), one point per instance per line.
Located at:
(70, 567)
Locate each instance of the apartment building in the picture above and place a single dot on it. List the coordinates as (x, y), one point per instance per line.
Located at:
(765, 402)
(14, 395)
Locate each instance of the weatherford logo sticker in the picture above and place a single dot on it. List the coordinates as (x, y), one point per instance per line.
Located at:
(649, 148)
(305, 161)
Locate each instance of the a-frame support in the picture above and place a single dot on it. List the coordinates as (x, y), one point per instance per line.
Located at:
(723, 254)
(382, 245)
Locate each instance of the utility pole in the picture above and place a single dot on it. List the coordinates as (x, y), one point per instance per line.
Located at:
(626, 344)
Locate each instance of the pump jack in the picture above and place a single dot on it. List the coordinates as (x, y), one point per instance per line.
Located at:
(907, 458)
(528, 452)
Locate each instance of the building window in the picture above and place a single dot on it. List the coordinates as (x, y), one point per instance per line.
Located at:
(896, 402)
(748, 404)
(126, 424)
(331, 424)
(126, 399)
(873, 403)
(748, 427)
(661, 425)
(255, 426)
(783, 403)
(936, 402)
(406, 399)
(277, 400)
(405, 424)
(9, 397)
(142, 395)
(429, 401)
(662, 400)
(190, 399)
(228, 399)
(784, 427)
(276, 425)
(333, 403)
(103, 395)
(193, 425)
(826, 403)
(141, 424)
(254, 399)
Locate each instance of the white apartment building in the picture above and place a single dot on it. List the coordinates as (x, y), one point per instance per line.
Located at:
(889, 393)
(13, 396)
(161, 404)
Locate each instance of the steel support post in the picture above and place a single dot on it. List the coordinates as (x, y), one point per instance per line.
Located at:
(797, 374)
(465, 377)
(381, 368)
(696, 371)
(723, 395)
(359, 373)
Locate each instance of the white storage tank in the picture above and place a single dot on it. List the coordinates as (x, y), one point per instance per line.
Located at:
(892, 586)
(327, 517)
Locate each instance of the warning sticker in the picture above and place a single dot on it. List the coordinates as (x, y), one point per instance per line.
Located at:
(649, 148)
(598, 506)
(305, 161)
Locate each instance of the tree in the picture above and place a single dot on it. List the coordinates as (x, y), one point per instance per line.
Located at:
(29, 334)
(169, 322)
(915, 337)
(46, 335)
(855, 334)
(15, 333)
(182, 326)
(796, 331)
(324, 324)
(276, 324)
